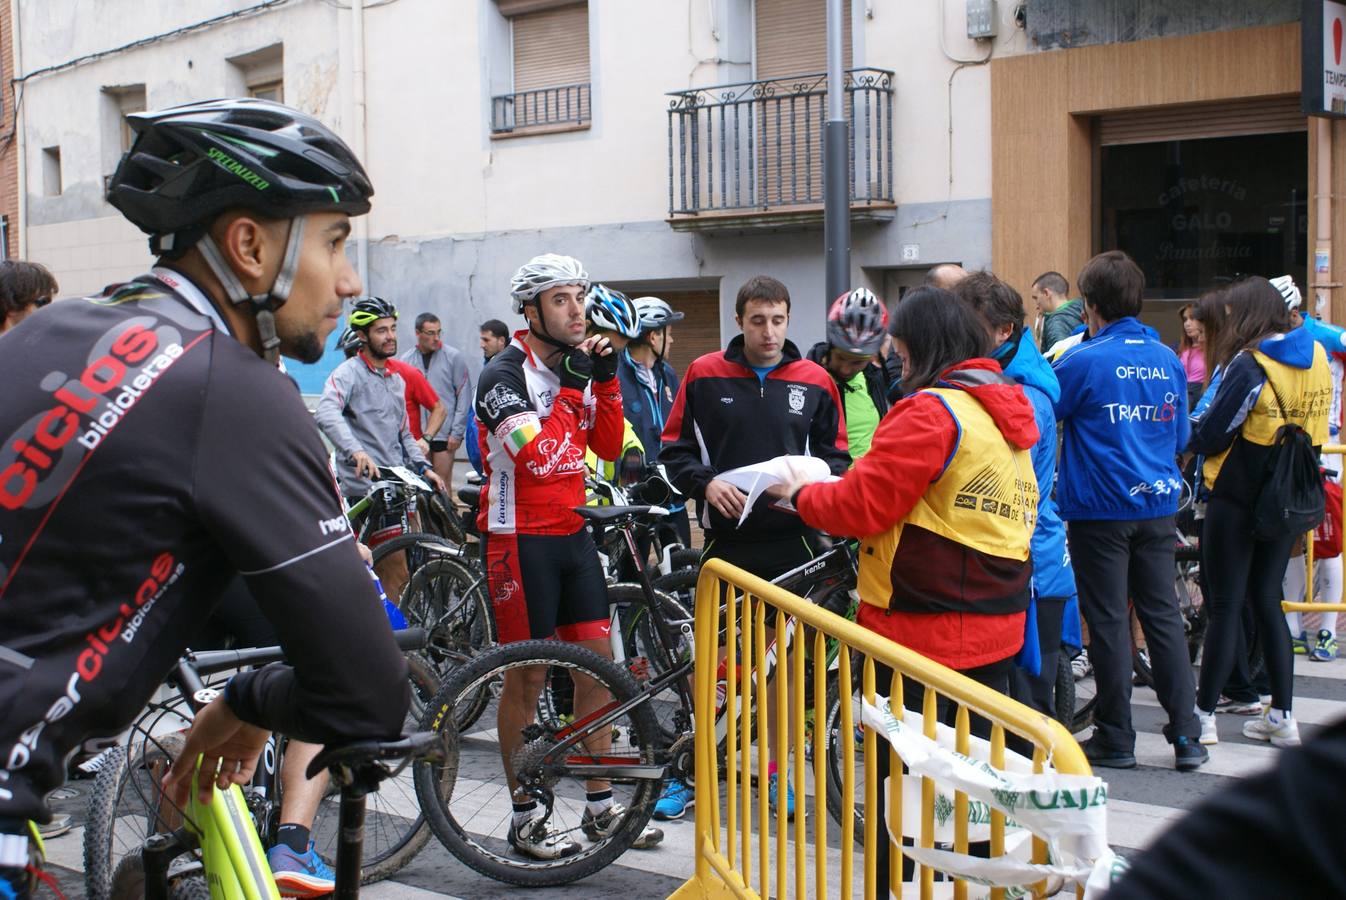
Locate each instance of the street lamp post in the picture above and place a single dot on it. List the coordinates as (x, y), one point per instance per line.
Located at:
(836, 177)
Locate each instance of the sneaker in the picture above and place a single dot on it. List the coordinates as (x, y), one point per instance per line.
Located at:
(1080, 666)
(1300, 644)
(1209, 734)
(58, 826)
(535, 838)
(1188, 755)
(674, 801)
(774, 792)
(300, 874)
(1284, 733)
(1325, 650)
(598, 827)
(1106, 757)
(1239, 707)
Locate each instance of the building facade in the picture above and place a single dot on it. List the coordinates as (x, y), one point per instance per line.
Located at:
(675, 147)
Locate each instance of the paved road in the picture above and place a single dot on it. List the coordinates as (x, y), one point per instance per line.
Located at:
(1142, 802)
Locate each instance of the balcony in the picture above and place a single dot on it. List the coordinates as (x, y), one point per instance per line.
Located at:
(750, 155)
(564, 107)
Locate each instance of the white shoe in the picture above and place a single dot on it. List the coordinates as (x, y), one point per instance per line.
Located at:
(1080, 666)
(536, 838)
(1284, 733)
(1209, 734)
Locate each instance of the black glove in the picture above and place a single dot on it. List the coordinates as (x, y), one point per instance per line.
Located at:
(605, 366)
(576, 370)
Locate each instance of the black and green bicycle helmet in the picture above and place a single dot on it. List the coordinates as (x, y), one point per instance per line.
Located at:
(368, 311)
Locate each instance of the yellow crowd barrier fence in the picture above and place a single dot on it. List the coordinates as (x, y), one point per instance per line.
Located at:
(1308, 605)
(745, 859)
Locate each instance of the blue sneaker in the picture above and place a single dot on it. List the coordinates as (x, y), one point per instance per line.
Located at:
(1325, 649)
(300, 874)
(774, 791)
(674, 801)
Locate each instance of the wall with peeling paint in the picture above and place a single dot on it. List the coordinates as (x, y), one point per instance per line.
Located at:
(1059, 24)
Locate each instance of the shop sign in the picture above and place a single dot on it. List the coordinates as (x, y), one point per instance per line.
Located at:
(1324, 73)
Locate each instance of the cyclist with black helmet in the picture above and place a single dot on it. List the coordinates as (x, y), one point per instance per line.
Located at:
(541, 402)
(858, 356)
(153, 452)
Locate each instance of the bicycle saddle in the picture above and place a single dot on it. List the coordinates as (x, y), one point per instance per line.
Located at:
(430, 745)
(604, 514)
(471, 495)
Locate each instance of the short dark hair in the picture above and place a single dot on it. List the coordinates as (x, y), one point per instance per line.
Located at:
(496, 327)
(1113, 285)
(424, 319)
(1052, 281)
(24, 283)
(939, 331)
(996, 302)
(762, 289)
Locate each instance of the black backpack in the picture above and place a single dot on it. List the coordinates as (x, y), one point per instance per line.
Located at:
(1292, 500)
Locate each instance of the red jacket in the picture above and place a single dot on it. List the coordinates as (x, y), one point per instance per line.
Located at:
(913, 445)
(420, 395)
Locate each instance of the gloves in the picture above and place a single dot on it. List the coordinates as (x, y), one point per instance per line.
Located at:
(605, 367)
(576, 370)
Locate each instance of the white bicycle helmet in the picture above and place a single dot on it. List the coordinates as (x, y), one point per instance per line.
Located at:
(542, 272)
(655, 313)
(1286, 285)
(856, 323)
(612, 311)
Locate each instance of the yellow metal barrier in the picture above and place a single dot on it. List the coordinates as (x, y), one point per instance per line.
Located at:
(725, 863)
(1307, 605)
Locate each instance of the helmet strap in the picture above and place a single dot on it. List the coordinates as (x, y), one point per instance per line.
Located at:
(263, 306)
(541, 332)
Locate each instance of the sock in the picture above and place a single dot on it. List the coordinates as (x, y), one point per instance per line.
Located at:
(1277, 716)
(598, 801)
(293, 836)
(524, 811)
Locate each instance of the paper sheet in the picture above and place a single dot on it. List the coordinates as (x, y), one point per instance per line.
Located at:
(756, 478)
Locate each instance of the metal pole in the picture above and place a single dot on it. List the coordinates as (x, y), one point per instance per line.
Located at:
(836, 179)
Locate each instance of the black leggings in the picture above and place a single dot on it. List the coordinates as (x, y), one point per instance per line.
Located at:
(1240, 567)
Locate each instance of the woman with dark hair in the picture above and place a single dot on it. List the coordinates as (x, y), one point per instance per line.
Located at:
(1275, 375)
(1191, 352)
(943, 504)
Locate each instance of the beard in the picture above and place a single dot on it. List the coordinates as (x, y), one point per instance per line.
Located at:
(305, 347)
(387, 351)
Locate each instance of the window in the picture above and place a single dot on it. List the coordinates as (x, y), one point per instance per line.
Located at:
(51, 171)
(121, 102)
(549, 48)
(4, 237)
(259, 74)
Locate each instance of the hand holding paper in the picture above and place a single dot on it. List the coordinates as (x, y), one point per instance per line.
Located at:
(778, 478)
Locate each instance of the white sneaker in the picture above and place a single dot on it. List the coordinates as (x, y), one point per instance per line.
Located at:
(1209, 734)
(1080, 666)
(1284, 733)
(537, 839)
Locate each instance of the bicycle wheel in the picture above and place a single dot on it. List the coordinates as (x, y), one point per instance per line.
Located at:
(1086, 699)
(468, 803)
(128, 882)
(836, 762)
(1063, 692)
(450, 602)
(395, 828)
(439, 516)
(679, 584)
(126, 807)
(642, 651)
(418, 547)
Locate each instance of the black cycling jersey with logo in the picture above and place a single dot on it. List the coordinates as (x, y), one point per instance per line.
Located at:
(148, 458)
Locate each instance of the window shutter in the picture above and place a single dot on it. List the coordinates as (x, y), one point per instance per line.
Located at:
(1262, 115)
(792, 37)
(699, 331)
(551, 47)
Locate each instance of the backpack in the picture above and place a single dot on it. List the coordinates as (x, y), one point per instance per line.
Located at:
(1327, 536)
(1292, 499)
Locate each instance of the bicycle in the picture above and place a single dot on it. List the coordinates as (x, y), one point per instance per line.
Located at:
(127, 804)
(223, 851)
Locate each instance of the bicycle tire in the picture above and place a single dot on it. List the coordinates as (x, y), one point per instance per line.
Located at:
(128, 882)
(439, 516)
(683, 559)
(450, 601)
(1063, 692)
(833, 770)
(437, 784)
(680, 584)
(640, 647)
(419, 546)
(392, 838)
(119, 821)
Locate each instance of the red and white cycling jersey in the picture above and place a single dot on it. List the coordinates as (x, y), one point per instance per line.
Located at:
(533, 440)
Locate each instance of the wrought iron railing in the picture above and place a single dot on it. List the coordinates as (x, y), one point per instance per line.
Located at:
(757, 145)
(564, 104)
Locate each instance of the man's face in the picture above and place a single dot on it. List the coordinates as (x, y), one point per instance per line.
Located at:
(491, 345)
(1041, 299)
(662, 340)
(763, 324)
(562, 310)
(843, 366)
(427, 337)
(324, 278)
(381, 338)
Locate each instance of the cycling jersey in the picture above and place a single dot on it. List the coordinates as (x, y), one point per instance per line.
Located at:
(533, 437)
(419, 395)
(148, 458)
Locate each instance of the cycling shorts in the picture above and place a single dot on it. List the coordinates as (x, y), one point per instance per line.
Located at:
(547, 585)
(439, 446)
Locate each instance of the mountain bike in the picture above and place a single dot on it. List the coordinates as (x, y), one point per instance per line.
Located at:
(216, 852)
(128, 805)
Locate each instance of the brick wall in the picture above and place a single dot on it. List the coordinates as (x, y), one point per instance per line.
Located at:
(9, 145)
